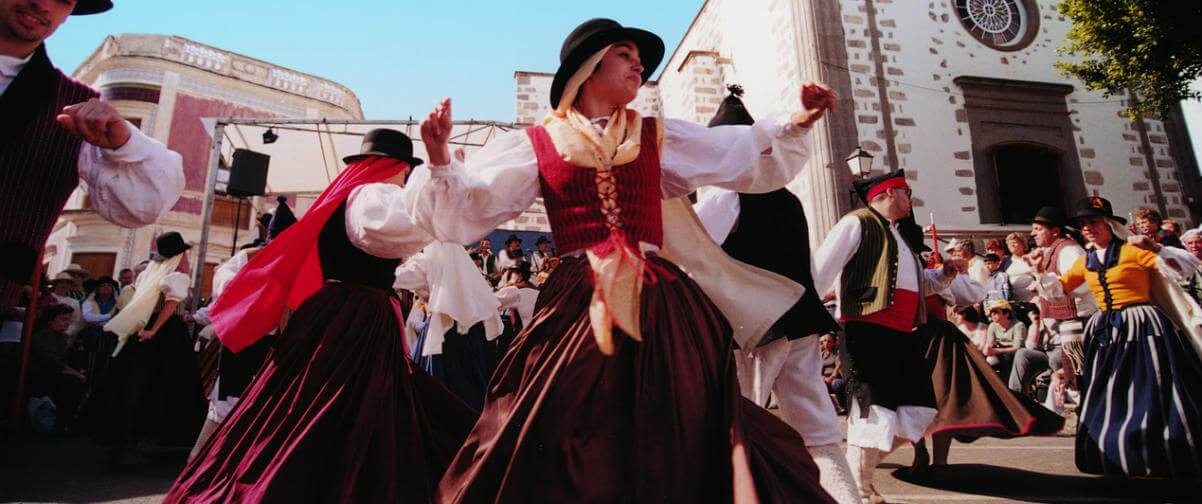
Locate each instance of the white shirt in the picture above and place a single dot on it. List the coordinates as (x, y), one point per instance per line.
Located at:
(377, 223)
(843, 241)
(131, 186)
(92, 316)
(718, 210)
(10, 66)
(462, 203)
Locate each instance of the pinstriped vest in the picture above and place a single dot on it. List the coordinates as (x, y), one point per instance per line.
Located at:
(869, 280)
(573, 207)
(1065, 309)
(38, 166)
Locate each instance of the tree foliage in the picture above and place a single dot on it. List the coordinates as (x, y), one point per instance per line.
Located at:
(1152, 48)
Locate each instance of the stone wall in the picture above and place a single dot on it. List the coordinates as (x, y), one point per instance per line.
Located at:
(533, 98)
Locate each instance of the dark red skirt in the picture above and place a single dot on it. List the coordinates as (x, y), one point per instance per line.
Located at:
(659, 421)
(973, 400)
(336, 414)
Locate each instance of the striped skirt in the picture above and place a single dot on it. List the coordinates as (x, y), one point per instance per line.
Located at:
(1141, 411)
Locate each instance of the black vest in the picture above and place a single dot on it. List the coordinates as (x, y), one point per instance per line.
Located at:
(771, 233)
(38, 166)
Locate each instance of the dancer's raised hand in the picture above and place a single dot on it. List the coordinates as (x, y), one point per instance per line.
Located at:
(816, 99)
(436, 131)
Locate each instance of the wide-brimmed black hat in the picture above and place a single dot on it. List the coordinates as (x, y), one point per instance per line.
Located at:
(281, 219)
(107, 280)
(512, 238)
(91, 7)
(1050, 216)
(1094, 206)
(590, 37)
(387, 143)
(865, 186)
(541, 240)
(732, 110)
(168, 245)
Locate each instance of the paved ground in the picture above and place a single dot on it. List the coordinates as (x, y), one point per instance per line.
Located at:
(72, 470)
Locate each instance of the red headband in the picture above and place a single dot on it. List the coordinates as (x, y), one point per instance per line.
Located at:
(892, 183)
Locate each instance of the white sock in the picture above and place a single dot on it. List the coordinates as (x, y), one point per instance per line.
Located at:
(835, 475)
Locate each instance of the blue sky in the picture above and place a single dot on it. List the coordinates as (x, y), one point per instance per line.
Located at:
(399, 56)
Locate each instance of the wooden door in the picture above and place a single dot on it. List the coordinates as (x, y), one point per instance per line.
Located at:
(97, 264)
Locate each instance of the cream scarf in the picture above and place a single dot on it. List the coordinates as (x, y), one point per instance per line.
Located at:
(617, 269)
(136, 314)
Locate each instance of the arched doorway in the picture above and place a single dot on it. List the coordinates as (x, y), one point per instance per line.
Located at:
(1028, 178)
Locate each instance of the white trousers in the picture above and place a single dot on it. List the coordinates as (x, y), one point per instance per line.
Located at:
(792, 369)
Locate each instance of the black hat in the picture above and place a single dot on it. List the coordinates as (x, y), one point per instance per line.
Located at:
(590, 37)
(282, 218)
(1094, 206)
(732, 110)
(865, 187)
(109, 281)
(512, 238)
(1050, 216)
(541, 239)
(91, 7)
(168, 245)
(387, 143)
(523, 269)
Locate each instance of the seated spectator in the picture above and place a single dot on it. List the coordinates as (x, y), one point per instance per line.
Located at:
(968, 321)
(1171, 226)
(1041, 353)
(97, 309)
(832, 370)
(1005, 335)
(1192, 240)
(997, 286)
(964, 249)
(78, 276)
(1020, 273)
(1147, 223)
(49, 375)
(996, 247)
(101, 305)
(60, 289)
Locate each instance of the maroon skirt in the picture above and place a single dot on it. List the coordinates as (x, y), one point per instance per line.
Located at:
(973, 400)
(659, 421)
(336, 414)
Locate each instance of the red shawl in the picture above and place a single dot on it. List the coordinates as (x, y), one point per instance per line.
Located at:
(287, 270)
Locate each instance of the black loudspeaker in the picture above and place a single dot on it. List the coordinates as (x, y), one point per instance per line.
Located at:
(248, 174)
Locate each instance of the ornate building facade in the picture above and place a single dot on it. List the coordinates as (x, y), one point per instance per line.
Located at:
(164, 85)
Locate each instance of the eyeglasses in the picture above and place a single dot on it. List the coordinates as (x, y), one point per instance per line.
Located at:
(907, 190)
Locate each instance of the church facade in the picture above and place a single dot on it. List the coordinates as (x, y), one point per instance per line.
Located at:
(962, 94)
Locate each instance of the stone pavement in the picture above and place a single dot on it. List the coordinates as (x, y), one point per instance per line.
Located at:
(72, 470)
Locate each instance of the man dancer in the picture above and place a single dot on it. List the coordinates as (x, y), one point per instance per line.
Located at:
(881, 284)
(1064, 319)
(769, 231)
(131, 179)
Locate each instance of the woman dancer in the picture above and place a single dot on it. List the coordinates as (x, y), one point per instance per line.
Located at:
(337, 413)
(621, 387)
(1141, 386)
(152, 392)
(972, 400)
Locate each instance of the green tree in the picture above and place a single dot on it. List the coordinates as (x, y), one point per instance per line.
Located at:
(1152, 48)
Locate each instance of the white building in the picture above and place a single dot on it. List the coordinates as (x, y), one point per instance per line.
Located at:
(164, 85)
(962, 94)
